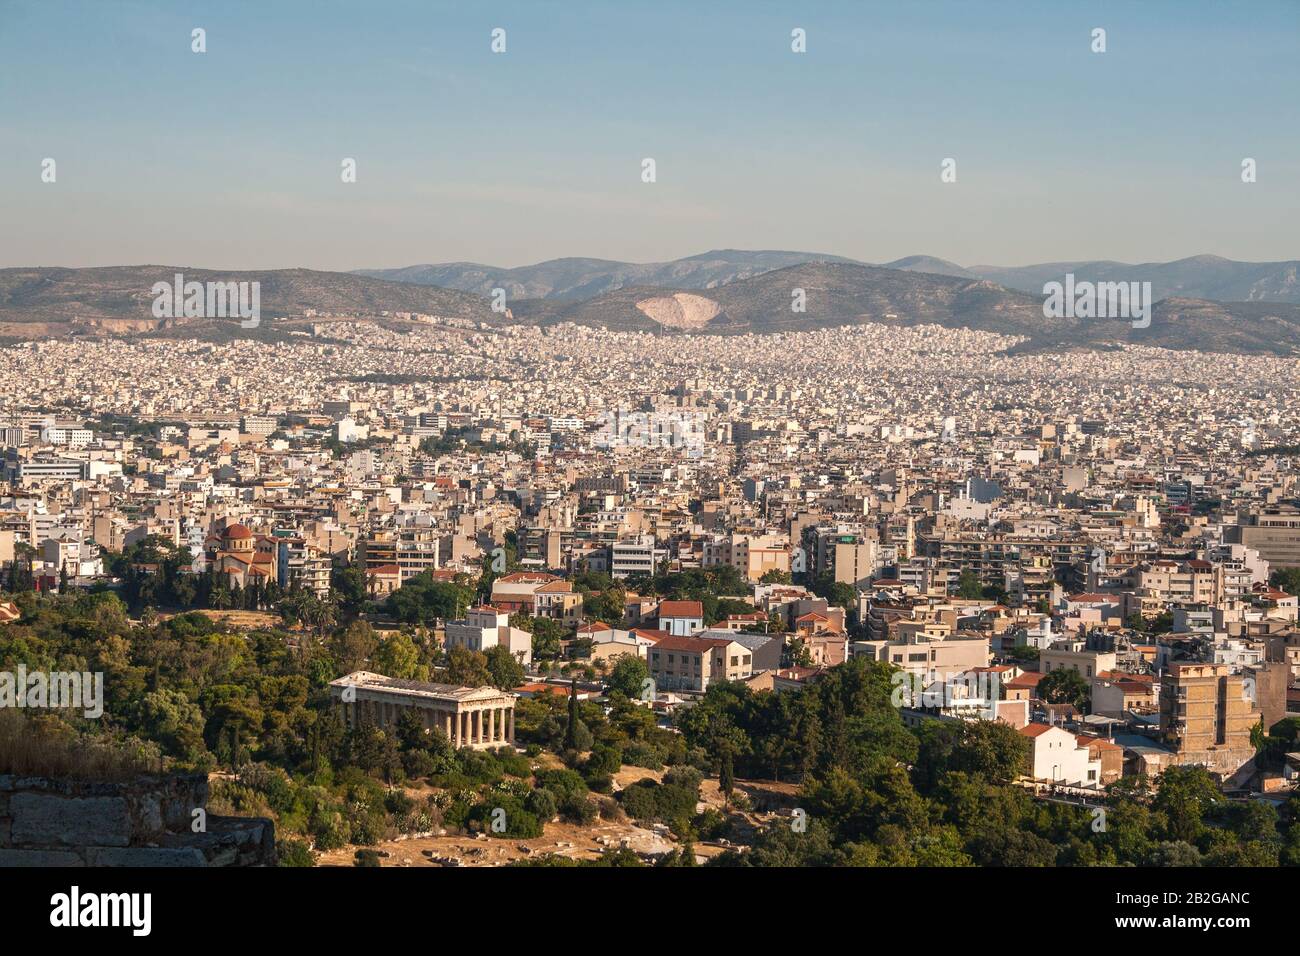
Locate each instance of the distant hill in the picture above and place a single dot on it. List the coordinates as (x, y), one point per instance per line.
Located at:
(847, 294)
(118, 298)
(53, 301)
(835, 293)
(575, 279)
(941, 267)
(1198, 277)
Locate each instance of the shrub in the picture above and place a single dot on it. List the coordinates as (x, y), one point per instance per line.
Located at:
(640, 801)
(641, 754)
(397, 802)
(604, 760)
(330, 831)
(514, 764)
(293, 853)
(419, 764)
(711, 825)
(542, 804)
(576, 808)
(368, 826)
(611, 809)
(562, 783)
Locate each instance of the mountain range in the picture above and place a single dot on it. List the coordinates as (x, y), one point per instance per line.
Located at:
(584, 278)
(54, 301)
(1197, 277)
(723, 292)
(842, 293)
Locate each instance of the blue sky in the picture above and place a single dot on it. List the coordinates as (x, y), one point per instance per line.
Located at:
(231, 159)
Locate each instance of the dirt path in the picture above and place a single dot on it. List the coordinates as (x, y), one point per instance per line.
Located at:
(562, 839)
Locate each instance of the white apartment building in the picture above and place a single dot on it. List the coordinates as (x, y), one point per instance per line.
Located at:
(487, 627)
(72, 437)
(67, 551)
(635, 556)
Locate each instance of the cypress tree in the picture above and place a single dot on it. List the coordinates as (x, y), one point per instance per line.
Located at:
(727, 777)
(571, 731)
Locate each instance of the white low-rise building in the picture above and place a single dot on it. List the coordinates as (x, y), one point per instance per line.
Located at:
(487, 627)
(1058, 757)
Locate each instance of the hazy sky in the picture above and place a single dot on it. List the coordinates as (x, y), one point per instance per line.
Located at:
(231, 158)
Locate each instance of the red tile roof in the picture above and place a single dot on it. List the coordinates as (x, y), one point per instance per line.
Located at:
(681, 609)
(1035, 730)
(695, 645)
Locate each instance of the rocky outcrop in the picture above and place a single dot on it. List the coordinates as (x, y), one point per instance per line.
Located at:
(148, 821)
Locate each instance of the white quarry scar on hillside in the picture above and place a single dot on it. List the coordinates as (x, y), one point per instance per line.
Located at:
(681, 310)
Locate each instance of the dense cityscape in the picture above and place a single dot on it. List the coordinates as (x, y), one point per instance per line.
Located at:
(684, 584)
(848, 451)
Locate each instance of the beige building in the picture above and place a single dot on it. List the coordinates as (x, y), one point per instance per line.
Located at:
(931, 659)
(1071, 656)
(752, 556)
(1206, 715)
(477, 717)
(1275, 534)
(1117, 696)
(692, 663)
(412, 550)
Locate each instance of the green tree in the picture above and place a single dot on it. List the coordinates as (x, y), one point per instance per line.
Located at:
(571, 726)
(467, 668)
(628, 676)
(422, 600)
(397, 656)
(504, 669)
(969, 587)
(1288, 579)
(349, 586)
(1184, 796)
(354, 646)
(547, 634)
(1065, 686)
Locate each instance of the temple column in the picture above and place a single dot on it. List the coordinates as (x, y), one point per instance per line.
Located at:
(492, 725)
(512, 726)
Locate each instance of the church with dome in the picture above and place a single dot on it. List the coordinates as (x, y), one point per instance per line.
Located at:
(242, 556)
